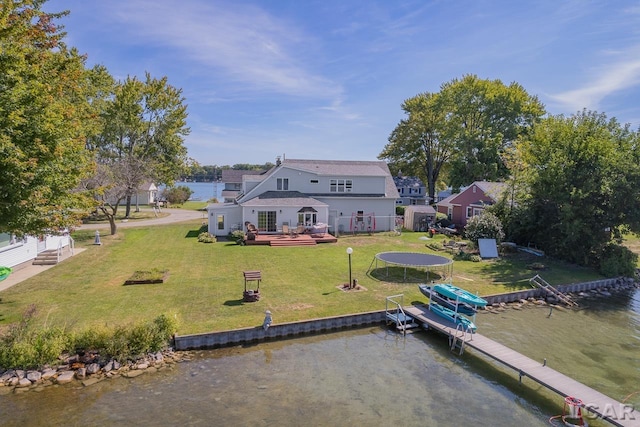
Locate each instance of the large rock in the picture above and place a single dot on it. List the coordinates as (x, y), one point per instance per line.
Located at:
(34, 376)
(7, 375)
(81, 373)
(93, 368)
(133, 374)
(48, 373)
(65, 377)
(23, 383)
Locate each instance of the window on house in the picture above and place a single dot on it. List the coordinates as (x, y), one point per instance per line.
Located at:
(307, 218)
(449, 213)
(282, 184)
(340, 186)
(5, 239)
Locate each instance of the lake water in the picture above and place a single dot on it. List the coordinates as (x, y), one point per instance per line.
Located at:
(203, 191)
(369, 376)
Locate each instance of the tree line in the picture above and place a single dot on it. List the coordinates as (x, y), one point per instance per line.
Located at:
(72, 138)
(209, 173)
(574, 181)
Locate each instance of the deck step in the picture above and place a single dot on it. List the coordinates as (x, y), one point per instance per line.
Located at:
(49, 257)
(293, 242)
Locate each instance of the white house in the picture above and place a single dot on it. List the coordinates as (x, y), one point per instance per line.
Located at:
(345, 195)
(14, 251)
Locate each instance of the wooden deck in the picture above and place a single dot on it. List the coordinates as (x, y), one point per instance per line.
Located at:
(605, 407)
(287, 240)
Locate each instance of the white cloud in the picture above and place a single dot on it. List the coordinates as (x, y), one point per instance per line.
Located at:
(252, 48)
(608, 80)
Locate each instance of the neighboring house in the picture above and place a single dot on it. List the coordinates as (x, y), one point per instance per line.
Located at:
(344, 195)
(470, 201)
(232, 179)
(147, 194)
(15, 251)
(418, 218)
(443, 195)
(411, 191)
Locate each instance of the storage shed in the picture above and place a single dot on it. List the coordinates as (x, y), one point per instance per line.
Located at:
(418, 218)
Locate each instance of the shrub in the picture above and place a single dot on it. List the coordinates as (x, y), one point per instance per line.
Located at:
(206, 237)
(177, 195)
(25, 346)
(484, 226)
(237, 236)
(617, 260)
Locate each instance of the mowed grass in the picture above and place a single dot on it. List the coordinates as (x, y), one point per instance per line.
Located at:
(204, 289)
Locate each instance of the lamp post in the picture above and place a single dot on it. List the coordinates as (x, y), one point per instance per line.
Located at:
(349, 252)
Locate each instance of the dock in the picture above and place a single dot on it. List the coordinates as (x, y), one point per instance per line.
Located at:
(606, 408)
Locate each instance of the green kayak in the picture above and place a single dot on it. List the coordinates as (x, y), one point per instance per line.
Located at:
(4, 273)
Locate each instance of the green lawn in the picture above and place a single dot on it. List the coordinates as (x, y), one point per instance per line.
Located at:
(204, 289)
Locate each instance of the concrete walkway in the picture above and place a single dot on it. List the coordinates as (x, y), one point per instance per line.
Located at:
(27, 269)
(175, 215)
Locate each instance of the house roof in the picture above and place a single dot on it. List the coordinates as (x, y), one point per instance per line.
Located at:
(407, 181)
(235, 175)
(493, 190)
(346, 168)
(448, 200)
(419, 208)
(283, 198)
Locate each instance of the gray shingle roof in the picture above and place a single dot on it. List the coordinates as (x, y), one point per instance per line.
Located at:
(342, 168)
(233, 175)
(283, 198)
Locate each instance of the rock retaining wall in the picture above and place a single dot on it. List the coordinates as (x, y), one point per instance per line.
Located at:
(572, 288)
(87, 370)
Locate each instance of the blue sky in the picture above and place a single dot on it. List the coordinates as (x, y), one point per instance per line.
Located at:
(325, 79)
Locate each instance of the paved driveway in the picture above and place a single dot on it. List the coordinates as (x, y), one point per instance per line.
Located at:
(175, 215)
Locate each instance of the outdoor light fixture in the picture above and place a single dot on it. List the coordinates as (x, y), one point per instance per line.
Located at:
(349, 252)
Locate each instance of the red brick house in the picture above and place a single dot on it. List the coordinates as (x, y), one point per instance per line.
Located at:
(470, 201)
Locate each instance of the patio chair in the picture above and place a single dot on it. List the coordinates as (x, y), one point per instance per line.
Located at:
(285, 229)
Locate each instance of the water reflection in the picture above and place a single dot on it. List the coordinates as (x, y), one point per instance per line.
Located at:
(362, 377)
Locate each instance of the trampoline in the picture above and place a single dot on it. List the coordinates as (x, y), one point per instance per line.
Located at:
(414, 260)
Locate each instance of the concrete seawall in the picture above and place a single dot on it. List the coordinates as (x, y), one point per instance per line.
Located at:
(327, 324)
(277, 331)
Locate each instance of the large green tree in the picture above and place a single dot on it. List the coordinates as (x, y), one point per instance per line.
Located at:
(582, 179)
(142, 140)
(416, 145)
(45, 117)
(463, 130)
(483, 118)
